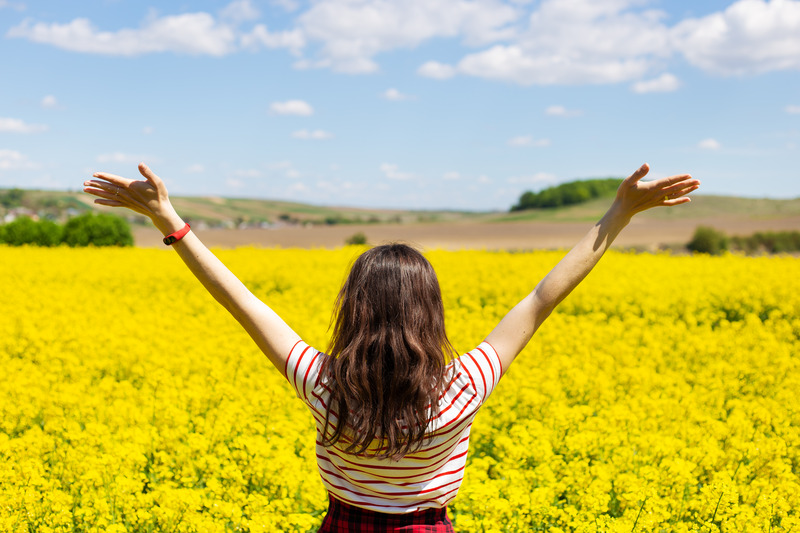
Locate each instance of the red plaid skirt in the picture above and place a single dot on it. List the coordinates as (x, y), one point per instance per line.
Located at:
(344, 518)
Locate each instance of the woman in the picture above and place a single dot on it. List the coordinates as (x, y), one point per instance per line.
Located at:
(393, 408)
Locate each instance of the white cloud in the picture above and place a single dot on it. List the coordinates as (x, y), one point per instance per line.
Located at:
(13, 160)
(293, 40)
(612, 41)
(792, 109)
(528, 140)
(395, 95)
(544, 42)
(189, 33)
(316, 135)
(709, 144)
(49, 102)
(561, 42)
(16, 6)
(748, 37)
(576, 42)
(298, 187)
(534, 179)
(352, 33)
(292, 107)
(196, 168)
(436, 70)
(247, 173)
(393, 173)
(280, 165)
(120, 157)
(352, 66)
(453, 175)
(484, 179)
(662, 84)
(286, 5)
(15, 125)
(148, 130)
(239, 11)
(285, 167)
(561, 111)
(234, 183)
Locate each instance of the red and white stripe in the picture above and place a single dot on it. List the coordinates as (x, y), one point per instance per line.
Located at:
(429, 477)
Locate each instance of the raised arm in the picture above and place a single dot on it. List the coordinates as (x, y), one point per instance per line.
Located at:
(633, 196)
(149, 197)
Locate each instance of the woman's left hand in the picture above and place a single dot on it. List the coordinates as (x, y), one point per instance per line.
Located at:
(148, 197)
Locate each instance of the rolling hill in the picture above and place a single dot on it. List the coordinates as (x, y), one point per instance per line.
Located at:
(247, 212)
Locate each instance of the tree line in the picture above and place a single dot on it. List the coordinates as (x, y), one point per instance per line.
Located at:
(570, 193)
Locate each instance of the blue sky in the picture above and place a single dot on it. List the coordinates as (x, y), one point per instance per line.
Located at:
(400, 103)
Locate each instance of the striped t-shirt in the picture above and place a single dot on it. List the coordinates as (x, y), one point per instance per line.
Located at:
(427, 478)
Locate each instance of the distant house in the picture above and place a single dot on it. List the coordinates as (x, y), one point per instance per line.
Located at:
(15, 212)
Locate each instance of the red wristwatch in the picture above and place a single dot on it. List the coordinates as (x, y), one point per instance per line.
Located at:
(178, 235)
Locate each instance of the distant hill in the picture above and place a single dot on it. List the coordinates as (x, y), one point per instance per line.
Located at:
(701, 206)
(219, 212)
(241, 212)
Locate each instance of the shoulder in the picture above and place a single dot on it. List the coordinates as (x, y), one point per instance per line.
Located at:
(303, 366)
(481, 367)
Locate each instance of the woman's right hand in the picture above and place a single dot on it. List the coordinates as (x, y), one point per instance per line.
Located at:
(635, 196)
(148, 197)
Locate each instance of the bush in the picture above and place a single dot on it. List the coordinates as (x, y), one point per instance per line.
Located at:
(356, 239)
(772, 242)
(24, 230)
(21, 231)
(707, 240)
(98, 230)
(49, 233)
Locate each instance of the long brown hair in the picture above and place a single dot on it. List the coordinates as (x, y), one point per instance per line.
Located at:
(388, 354)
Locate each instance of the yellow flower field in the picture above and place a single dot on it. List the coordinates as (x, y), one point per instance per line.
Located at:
(661, 396)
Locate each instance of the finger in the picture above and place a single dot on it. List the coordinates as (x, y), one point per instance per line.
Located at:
(102, 185)
(150, 176)
(677, 201)
(676, 188)
(112, 203)
(99, 192)
(663, 183)
(104, 190)
(684, 191)
(680, 195)
(113, 178)
(638, 174)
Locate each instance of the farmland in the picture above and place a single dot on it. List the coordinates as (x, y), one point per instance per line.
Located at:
(660, 396)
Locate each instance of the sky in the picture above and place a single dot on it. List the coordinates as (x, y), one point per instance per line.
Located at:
(455, 104)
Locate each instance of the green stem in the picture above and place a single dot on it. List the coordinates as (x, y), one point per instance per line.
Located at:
(638, 515)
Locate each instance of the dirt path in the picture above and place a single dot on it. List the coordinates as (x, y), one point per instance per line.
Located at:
(643, 233)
